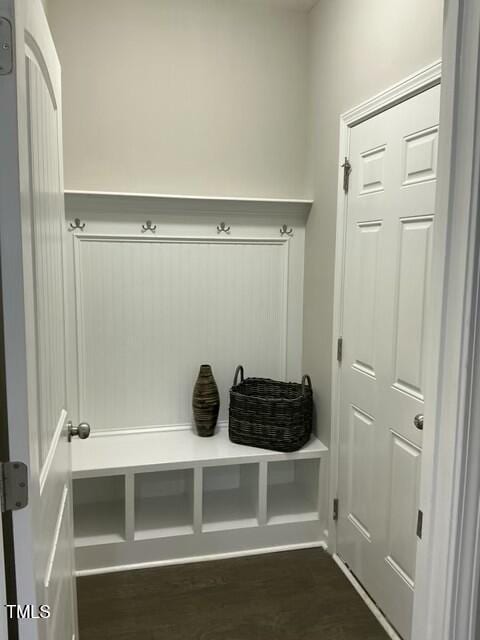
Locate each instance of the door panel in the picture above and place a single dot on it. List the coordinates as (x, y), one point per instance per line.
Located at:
(361, 480)
(47, 232)
(59, 592)
(32, 253)
(420, 156)
(390, 217)
(411, 293)
(402, 505)
(371, 170)
(368, 238)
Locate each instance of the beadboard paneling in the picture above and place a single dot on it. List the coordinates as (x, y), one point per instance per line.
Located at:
(151, 309)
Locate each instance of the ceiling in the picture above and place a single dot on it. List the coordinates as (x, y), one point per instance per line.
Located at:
(300, 5)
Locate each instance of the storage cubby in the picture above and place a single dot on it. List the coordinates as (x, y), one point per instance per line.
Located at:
(99, 510)
(163, 504)
(292, 492)
(163, 497)
(230, 497)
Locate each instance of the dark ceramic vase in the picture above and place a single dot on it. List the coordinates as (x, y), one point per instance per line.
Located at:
(205, 402)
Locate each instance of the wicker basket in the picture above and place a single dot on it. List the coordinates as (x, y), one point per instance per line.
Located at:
(269, 414)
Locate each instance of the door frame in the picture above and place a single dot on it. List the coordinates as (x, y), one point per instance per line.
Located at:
(448, 557)
(3, 588)
(8, 594)
(447, 593)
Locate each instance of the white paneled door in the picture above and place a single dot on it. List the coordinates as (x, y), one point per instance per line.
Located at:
(390, 217)
(32, 231)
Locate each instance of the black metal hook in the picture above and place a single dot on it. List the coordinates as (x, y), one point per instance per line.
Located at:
(222, 227)
(285, 231)
(76, 224)
(149, 227)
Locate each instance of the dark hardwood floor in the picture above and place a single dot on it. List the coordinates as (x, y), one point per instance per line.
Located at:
(298, 595)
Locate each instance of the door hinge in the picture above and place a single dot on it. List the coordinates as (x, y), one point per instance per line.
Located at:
(6, 47)
(419, 524)
(335, 509)
(347, 170)
(13, 486)
(339, 349)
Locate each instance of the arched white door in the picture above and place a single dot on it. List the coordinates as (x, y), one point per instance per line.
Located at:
(32, 228)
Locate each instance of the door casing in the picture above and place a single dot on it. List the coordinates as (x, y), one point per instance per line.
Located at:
(448, 556)
(8, 595)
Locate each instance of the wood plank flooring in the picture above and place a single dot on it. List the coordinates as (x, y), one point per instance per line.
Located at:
(297, 595)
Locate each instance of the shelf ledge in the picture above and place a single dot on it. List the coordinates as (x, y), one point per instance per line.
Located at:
(181, 449)
(106, 201)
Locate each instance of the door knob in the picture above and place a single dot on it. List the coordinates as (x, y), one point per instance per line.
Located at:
(418, 421)
(82, 431)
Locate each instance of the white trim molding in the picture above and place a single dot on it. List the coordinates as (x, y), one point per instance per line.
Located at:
(448, 562)
(89, 237)
(45, 470)
(3, 588)
(184, 204)
(389, 630)
(416, 83)
(157, 428)
(205, 558)
(56, 537)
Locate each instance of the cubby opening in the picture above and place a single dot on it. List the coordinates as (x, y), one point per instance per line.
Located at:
(99, 510)
(292, 493)
(163, 504)
(230, 497)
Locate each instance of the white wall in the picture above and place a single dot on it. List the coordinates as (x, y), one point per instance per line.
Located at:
(233, 98)
(357, 49)
(183, 96)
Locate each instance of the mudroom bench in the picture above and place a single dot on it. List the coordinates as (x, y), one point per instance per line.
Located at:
(165, 497)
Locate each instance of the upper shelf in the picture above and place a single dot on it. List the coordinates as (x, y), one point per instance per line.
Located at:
(106, 455)
(187, 203)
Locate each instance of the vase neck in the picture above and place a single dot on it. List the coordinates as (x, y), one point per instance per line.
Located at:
(205, 370)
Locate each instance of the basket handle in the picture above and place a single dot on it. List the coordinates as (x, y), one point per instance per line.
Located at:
(238, 370)
(306, 378)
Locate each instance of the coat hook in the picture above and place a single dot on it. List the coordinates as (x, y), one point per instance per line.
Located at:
(76, 224)
(222, 227)
(149, 227)
(285, 231)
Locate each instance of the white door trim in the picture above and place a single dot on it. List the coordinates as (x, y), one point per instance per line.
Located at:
(448, 562)
(3, 588)
(387, 627)
(411, 86)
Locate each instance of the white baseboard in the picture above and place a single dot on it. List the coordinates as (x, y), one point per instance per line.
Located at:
(205, 558)
(389, 630)
(156, 428)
